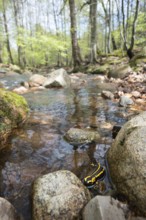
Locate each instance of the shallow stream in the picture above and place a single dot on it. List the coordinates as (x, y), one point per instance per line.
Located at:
(39, 147)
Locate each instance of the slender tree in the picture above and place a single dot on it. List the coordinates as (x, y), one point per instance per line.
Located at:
(7, 32)
(129, 48)
(93, 31)
(75, 47)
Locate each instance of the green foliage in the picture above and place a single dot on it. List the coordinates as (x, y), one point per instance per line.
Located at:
(141, 29)
(42, 48)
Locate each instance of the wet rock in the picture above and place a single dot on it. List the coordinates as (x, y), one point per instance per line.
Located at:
(81, 136)
(58, 78)
(103, 208)
(20, 90)
(107, 94)
(120, 71)
(13, 111)
(59, 195)
(136, 94)
(127, 162)
(37, 80)
(125, 101)
(7, 211)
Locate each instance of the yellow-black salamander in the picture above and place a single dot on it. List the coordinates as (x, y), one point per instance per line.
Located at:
(98, 174)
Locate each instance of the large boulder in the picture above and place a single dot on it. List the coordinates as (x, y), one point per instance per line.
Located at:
(127, 162)
(119, 71)
(13, 111)
(58, 78)
(81, 136)
(59, 195)
(7, 211)
(37, 80)
(103, 208)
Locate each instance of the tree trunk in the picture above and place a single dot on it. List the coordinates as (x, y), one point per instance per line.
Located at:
(109, 27)
(1, 60)
(21, 56)
(93, 31)
(55, 16)
(75, 48)
(129, 49)
(7, 33)
(114, 43)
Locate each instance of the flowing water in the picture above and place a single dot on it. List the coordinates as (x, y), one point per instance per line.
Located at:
(39, 146)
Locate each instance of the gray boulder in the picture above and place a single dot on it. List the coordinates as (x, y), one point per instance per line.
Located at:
(119, 71)
(103, 208)
(7, 211)
(81, 136)
(125, 101)
(59, 195)
(127, 161)
(58, 78)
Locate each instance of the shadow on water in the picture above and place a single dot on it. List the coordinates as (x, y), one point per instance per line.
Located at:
(39, 148)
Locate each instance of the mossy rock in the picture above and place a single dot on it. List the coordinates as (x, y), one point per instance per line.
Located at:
(16, 69)
(13, 112)
(139, 58)
(98, 69)
(138, 61)
(119, 71)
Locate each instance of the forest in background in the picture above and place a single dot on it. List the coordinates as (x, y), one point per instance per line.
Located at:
(34, 33)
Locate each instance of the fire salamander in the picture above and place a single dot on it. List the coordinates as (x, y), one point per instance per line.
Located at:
(98, 174)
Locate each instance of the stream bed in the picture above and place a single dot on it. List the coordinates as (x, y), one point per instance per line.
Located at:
(39, 146)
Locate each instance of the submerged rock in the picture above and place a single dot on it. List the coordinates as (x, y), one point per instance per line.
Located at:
(81, 136)
(103, 208)
(58, 78)
(59, 195)
(127, 162)
(13, 111)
